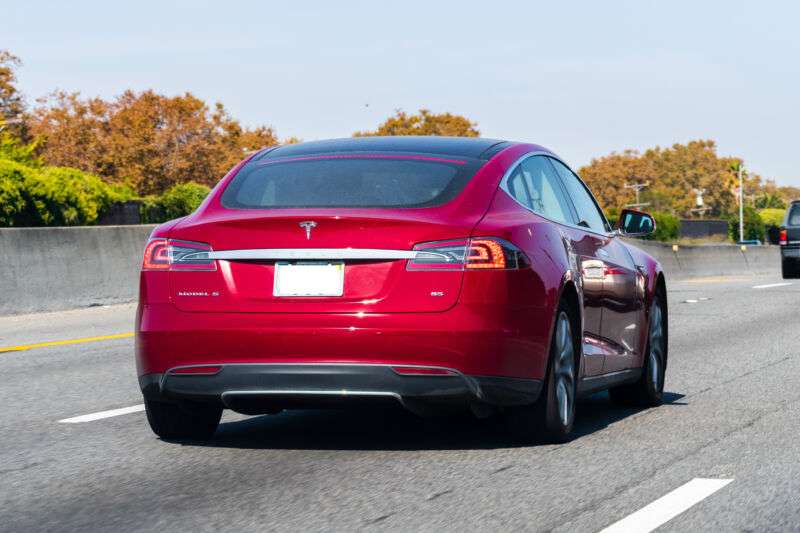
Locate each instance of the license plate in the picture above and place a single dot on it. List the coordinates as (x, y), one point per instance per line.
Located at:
(308, 279)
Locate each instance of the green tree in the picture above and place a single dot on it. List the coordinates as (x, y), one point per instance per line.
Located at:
(754, 227)
(424, 123)
(182, 199)
(13, 149)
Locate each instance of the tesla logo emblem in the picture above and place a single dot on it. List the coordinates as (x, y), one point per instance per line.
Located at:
(308, 225)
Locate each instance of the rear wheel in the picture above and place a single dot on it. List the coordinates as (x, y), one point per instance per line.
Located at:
(790, 269)
(550, 419)
(649, 390)
(172, 421)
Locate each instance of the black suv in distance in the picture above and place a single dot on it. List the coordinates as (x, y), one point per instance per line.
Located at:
(790, 242)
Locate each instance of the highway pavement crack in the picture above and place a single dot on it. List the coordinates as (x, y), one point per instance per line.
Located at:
(21, 468)
(738, 376)
(379, 519)
(439, 494)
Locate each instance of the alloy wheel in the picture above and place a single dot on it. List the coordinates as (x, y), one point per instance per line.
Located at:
(656, 354)
(564, 371)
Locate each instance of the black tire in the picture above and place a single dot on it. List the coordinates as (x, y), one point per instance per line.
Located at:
(648, 391)
(790, 269)
(550, 419)
(172, 421)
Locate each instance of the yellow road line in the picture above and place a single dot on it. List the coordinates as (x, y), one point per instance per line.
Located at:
(61, 343)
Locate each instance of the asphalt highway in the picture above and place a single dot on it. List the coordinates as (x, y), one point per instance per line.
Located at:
(732, 418)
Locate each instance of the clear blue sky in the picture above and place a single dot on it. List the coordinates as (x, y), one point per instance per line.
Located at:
(583, 78)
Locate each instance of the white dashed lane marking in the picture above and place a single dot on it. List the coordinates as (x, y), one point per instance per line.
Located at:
(103, 414)
(771, 285)
(667, 507)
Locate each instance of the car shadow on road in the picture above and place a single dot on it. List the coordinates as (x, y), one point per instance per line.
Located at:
(598, 412)
(397, 429)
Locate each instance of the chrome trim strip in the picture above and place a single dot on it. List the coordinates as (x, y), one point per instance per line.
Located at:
(340, 392)
(312, 253)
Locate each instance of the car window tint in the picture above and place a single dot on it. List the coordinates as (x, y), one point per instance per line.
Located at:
(588, 212)
(794, 216)
(517, 189)
(336, 180)
(546, 195)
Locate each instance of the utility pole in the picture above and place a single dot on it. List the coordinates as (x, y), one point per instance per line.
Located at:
(637, 187)
(741, 205)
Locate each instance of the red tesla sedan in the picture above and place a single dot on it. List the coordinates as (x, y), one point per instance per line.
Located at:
(432, 272)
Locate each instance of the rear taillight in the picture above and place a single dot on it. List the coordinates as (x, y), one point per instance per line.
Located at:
(169, 254)
(783, 239)
(476, 253)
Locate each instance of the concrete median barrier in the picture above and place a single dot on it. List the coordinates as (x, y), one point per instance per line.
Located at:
(704, 260)
(49, 269)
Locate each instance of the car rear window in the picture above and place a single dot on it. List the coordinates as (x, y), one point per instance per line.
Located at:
(794, 215)
(349, 181)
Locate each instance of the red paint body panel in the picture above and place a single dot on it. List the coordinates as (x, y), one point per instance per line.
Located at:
(484, 322)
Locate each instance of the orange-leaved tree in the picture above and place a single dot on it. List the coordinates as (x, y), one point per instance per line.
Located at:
(424, 123)
(12, 103)
(147, 140)
(674, 175)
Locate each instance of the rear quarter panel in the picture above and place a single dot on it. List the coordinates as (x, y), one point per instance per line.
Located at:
(537, 291)
(652, 270)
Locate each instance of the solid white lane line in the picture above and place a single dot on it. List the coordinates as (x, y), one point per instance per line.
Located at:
(770, 285)
(668, 506)
(103, 414)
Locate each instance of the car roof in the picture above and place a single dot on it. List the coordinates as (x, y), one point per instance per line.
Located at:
(472, 147)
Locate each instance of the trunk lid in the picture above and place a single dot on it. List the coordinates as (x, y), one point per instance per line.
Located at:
(376, 284)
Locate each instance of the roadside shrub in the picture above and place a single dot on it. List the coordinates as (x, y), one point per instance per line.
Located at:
(58, 196)
(772, 217)
(178, 201)
(667, 227)
(12, 149)
(12, 203)
(612, 215)
(53, 196)
(773, 220)
(754, 228)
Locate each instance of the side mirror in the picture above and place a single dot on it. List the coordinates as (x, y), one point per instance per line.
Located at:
(635, 223)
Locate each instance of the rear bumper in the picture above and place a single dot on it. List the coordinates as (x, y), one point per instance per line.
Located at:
(791, 251)
(485, 339)
(263, 388)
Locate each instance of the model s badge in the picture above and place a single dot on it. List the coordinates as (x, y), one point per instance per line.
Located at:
(308, 225)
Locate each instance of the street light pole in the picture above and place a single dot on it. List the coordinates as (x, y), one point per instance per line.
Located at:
(741, 206)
